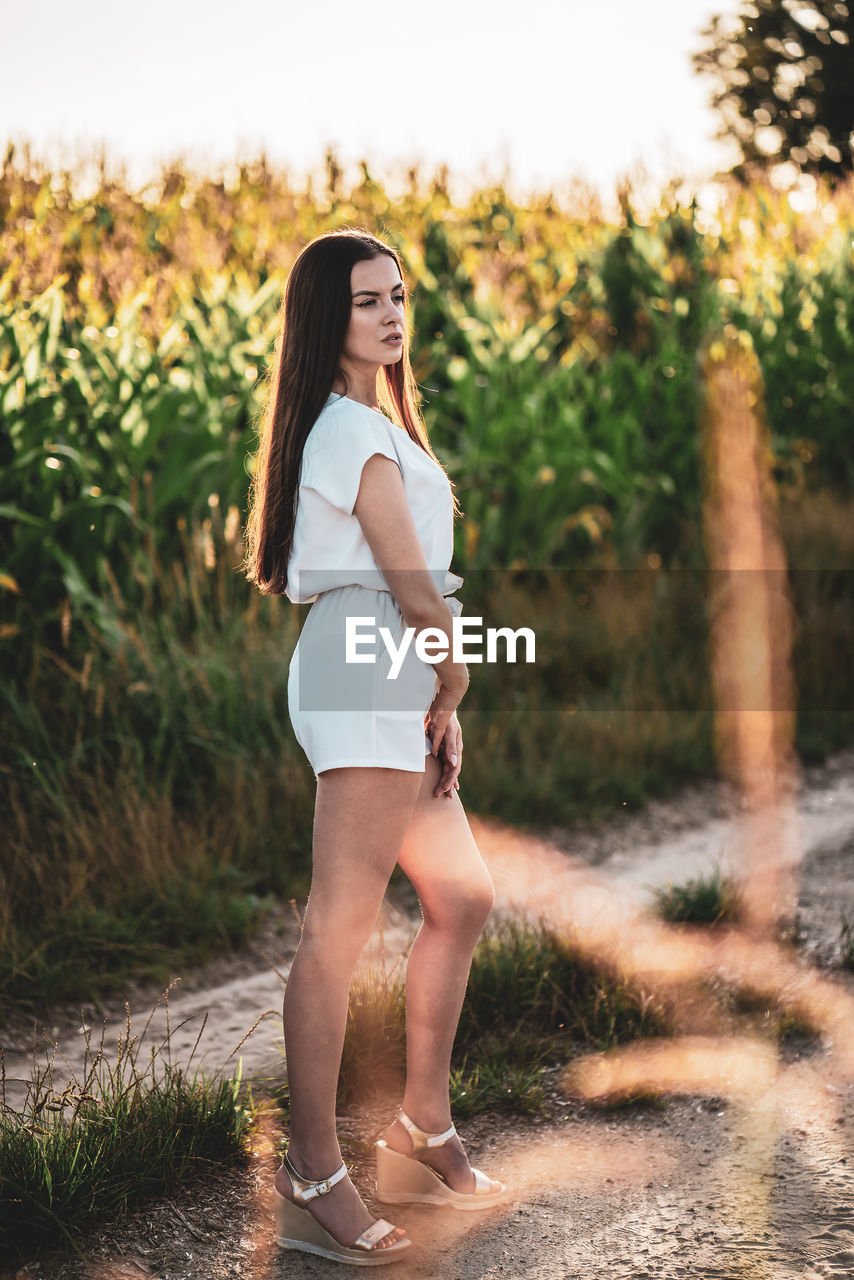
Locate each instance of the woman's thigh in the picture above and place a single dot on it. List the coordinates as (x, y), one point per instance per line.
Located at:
(361, 816)
(440, 856)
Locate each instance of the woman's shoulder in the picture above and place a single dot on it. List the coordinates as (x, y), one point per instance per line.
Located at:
(341, 417)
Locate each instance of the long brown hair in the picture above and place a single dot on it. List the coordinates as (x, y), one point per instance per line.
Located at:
(314, 317)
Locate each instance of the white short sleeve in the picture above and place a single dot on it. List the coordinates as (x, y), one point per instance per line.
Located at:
(329, 548)
(332, 465)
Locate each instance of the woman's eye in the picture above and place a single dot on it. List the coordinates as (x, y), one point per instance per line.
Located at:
(369, 302)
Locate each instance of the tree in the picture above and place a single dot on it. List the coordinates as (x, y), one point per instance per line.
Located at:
(785, 70)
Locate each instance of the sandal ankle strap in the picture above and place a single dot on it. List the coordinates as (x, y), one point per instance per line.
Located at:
(420, 1139)
(304, 1189)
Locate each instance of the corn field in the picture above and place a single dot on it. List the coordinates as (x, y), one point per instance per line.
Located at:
(556, 353)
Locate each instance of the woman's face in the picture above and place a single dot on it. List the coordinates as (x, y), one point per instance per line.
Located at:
(377, 329)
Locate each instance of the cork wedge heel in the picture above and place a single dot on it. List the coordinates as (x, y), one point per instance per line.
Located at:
(404, 1179)
(297, 1228)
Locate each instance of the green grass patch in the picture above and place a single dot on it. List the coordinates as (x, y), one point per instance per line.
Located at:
(711, 899)
(532, 1000)
(495, 1081)
(126, 1132)
(373, 1060)
(767, 1015)
(103, 947)
(524, 980)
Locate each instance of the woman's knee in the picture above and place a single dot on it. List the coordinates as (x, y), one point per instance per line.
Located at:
(338, 933)
(459, 906)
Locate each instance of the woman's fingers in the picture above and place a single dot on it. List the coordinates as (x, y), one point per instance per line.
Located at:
(444, 786)
(451, 754)
(450, 770)
(438, 736)
(446, 737)
(436, 729)
(458, 746)
(439, 717)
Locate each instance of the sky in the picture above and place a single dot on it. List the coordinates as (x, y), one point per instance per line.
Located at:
(541, 93)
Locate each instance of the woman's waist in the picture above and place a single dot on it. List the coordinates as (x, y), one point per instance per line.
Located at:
(315, 585)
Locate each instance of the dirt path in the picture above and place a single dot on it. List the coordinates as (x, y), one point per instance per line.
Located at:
(755, 1182)
(701, 1188)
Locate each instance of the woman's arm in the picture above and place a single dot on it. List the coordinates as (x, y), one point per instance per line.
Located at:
(383, 512)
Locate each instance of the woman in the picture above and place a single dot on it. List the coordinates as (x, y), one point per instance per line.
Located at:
(350, 509)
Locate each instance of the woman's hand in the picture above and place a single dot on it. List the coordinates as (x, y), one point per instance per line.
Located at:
(451, 755)
(438, 716)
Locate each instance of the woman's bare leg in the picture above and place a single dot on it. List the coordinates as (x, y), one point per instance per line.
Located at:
(440, 857)
(361, 818)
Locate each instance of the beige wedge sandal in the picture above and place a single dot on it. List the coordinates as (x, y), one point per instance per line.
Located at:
(408, 1180)
(297, 1228)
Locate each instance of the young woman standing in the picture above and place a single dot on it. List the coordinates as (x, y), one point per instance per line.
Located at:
(350, 509)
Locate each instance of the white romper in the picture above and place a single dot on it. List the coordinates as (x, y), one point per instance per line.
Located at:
(345, 713)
